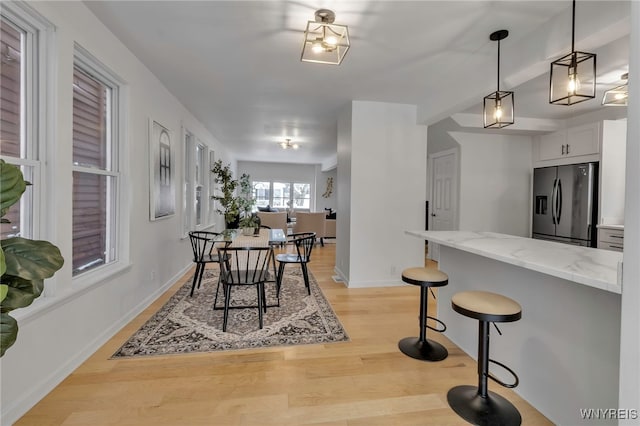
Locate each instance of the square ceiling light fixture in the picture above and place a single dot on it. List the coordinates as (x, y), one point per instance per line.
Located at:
(618, 95)
(324, 41)
(573, 77)
(497, 107)
(287, 144)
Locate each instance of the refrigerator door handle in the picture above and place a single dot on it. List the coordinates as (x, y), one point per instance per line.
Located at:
(553, 201)
(559, 201)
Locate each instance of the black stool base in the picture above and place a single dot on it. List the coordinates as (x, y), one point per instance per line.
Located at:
(493, 410)
(425, 351)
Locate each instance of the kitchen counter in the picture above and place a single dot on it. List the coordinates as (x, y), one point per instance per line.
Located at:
(592, 267)
(609, 226)
(566, 346)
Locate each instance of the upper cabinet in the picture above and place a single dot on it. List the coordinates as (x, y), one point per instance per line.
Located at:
(564, 145)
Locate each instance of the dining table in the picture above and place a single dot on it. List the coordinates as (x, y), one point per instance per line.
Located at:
(265, 237)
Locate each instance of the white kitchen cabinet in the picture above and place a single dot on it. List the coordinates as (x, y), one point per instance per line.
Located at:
(576, 141)
(583, 140)
(552, 145)
(611, 238)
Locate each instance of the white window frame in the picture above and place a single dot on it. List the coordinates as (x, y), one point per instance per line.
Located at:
(291, 191)
(36, 113)
(191, 181)
(117, 217)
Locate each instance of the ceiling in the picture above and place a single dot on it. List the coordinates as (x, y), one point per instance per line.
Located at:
(235, 64)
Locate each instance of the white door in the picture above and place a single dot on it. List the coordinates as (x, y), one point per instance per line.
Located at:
(444, 194)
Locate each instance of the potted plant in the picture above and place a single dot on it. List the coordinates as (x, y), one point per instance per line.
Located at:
(24, 263)
(248, 221)
(228, 202)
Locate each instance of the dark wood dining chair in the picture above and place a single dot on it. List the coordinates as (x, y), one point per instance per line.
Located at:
(204, 245)
(304, 242)
(244, 266)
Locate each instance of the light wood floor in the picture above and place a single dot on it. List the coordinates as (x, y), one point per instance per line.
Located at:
(366, 381)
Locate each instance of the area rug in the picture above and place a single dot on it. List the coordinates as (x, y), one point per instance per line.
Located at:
(190, 324)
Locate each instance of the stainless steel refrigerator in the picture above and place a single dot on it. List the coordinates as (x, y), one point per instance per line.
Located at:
(565, 203)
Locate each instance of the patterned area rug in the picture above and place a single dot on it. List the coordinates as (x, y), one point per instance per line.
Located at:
(189, 324)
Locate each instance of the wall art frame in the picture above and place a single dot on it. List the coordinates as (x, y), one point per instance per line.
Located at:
(162, 172)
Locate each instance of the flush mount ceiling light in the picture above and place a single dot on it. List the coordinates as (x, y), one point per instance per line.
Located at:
(573, 77)
(498, 106)
(324, 41)
(618, 95)
(287, 144)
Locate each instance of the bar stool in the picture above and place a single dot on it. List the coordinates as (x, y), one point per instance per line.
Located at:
(420, 347)
(476, 404)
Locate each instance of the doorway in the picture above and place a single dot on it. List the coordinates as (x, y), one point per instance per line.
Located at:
(444, 194)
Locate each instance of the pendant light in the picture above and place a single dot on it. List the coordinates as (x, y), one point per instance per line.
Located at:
(573, 77)
(498, 106)
(618, 95)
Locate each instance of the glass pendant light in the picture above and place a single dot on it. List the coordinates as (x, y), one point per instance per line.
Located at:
(573, 77)
(618, 95)
(498, 106)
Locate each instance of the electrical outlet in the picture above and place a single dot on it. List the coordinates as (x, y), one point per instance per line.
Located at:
(392, 270)
(153, 275)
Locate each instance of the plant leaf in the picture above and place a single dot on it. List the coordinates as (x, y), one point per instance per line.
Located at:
(3, 264)
(12, 185)
(4, 289)
(8, 332)
(20, 292)
(31, 259)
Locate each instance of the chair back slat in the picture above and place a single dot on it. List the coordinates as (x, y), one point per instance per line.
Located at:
(244, 265)
(203, 244)
(304, 242)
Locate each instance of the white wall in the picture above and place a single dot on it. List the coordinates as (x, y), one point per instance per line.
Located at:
(343, 182)
(612, 171)
(629, 337)
(495, 183)
(330, 202)
(388, 175)
(60, 331)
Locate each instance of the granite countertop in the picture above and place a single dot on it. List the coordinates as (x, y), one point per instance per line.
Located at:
(589, 266)
(609, 226)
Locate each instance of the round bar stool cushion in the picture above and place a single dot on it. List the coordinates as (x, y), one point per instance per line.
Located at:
(486, 306)
(425, 276)
(422, 348)
(465, 400)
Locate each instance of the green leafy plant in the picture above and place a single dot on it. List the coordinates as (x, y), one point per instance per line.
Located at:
(24, 263)
(246, 202)
(228, 202)
(236, 209)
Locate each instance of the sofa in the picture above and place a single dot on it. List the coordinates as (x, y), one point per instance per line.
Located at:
(311, 222)
(274, 220)
(330, 228)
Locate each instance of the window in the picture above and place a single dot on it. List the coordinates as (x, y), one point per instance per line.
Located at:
(187, 204)
(301, 196)
(96, 177)
(23, 81)
(262, 193)
(279, 195)
(197, 206)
